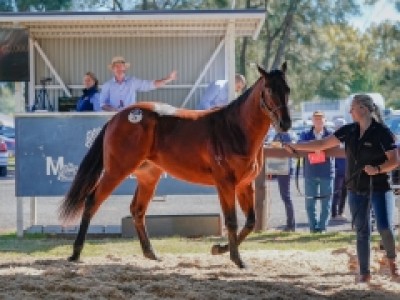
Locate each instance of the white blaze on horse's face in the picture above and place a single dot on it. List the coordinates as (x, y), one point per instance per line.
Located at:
(164, 109)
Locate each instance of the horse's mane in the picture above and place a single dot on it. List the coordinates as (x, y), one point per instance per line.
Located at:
(225, 126)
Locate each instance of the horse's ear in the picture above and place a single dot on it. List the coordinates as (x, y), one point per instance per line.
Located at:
(262, 70)
(284, 67)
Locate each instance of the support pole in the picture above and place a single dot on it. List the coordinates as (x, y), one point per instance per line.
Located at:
(20, 217)
(230, 59)
(260, 205)
(33, 220)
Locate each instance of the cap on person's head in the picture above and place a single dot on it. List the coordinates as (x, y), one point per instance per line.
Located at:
(339, 122)
(118, 59)
(318, 113)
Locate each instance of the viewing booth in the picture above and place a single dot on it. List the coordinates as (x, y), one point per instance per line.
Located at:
(199, 44)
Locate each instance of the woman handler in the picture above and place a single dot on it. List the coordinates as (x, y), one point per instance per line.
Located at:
(371, 153)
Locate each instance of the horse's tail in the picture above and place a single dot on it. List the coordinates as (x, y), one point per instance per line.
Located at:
(85, 180)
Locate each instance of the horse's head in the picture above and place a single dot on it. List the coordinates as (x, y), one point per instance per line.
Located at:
(274, 97)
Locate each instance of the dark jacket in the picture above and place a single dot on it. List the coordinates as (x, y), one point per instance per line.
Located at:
(85, 102)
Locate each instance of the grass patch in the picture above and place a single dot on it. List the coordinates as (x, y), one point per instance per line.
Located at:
(40, 245)
(11, 163)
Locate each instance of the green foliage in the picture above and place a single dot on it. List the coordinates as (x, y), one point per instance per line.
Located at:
(42, 5)
(7, 101)
(6, 5)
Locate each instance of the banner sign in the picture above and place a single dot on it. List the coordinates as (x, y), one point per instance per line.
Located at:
(50, 147)
(14, 55)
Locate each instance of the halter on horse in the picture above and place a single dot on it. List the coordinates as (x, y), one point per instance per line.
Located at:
(221, 147)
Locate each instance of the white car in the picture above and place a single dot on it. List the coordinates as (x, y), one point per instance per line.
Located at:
(3, 157)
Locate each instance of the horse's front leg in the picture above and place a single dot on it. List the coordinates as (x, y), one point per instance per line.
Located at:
(227, 200)
(245, 198)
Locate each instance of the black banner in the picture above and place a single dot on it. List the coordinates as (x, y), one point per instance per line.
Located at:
(14, 57)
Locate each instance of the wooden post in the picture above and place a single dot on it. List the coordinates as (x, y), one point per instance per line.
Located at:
(260, 201)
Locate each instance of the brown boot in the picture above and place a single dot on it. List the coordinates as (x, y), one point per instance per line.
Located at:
(364, 278)
(394, 271)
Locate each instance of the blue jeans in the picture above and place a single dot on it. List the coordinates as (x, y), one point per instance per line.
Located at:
(360, 208)
(318, 187)
(339, 195)
(284, 190)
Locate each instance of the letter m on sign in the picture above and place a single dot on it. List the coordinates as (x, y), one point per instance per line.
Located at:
(54, 166)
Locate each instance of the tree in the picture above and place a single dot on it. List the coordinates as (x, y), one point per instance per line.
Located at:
(6, 5)
(42, 5)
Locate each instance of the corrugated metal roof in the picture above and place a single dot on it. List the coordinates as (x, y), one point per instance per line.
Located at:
(136, 23)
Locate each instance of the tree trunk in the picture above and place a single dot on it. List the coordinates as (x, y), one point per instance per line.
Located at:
(287, 25)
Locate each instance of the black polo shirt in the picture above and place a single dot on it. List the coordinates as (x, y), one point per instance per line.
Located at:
(368, 150)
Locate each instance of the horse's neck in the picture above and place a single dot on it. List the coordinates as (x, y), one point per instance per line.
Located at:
(255, 119)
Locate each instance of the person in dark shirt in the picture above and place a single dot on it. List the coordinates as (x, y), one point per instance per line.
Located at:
(371, 153)
(284, 184)
(89, 101)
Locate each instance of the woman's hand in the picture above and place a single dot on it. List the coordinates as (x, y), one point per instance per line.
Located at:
(371, 170)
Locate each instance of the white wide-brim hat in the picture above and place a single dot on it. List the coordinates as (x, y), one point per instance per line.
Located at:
(118, 59)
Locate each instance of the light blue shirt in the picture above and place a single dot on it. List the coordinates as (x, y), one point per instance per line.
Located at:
(216, 95)
(95, 100)
(120, 95)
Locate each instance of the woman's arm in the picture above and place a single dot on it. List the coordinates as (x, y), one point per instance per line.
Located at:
(390, 164)
(314, 145)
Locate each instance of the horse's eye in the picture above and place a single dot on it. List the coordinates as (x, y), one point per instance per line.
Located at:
(268, 91)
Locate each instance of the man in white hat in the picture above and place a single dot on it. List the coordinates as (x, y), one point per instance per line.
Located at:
(120, 91)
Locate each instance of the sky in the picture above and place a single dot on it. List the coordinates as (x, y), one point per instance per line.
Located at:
(381, 11)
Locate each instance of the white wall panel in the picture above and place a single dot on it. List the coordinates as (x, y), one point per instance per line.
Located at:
(150, 58)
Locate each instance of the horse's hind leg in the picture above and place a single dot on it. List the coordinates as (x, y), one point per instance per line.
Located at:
(104, 188)
(245, 198)
(147, 178)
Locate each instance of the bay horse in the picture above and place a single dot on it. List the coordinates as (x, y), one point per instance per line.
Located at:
(222, 147)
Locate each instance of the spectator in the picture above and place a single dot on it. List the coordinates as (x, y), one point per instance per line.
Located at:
(216, 94)
(89, 101)
(340, 189)
(318, 176)
(120, 91)
(371, 153)
(284, 184)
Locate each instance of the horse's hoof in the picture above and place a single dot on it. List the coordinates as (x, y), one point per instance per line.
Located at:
(240, 264)
(150, 255)
(73, 258)
(219, 249)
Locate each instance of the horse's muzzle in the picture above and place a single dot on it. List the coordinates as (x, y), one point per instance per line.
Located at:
(285, 125)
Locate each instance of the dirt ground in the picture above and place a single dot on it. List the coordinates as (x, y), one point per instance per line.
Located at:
(268, 275)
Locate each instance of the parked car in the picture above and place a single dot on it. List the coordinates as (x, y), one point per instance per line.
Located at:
(7, 133)
(393, 122)
(3, 157)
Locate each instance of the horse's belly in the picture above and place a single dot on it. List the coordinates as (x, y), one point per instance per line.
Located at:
(195, 173)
